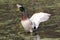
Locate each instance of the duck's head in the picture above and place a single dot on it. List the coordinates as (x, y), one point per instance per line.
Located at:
(20, 8)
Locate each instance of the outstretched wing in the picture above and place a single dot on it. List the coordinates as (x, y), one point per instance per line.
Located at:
(37, 18)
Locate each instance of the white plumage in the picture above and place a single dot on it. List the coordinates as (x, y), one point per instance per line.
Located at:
(37, 18)
(34, 21)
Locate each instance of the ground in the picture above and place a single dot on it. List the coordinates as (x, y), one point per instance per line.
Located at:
(11, 28)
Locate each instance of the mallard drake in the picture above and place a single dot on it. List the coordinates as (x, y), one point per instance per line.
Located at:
(29, 24)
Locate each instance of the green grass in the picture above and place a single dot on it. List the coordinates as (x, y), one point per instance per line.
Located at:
(50, 39)
(10, 19)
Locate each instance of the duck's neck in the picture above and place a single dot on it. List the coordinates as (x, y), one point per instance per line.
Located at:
(24, 16)
(24, 13)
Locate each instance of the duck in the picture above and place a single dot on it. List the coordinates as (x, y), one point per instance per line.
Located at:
(32, 23)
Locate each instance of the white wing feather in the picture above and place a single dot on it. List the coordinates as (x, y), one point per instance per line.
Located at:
(37, 18)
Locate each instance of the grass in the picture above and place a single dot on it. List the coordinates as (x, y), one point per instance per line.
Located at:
(10, 20)
(50, 39)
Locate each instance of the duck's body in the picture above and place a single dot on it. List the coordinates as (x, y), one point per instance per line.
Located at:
(32, 23)
(27, 24)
